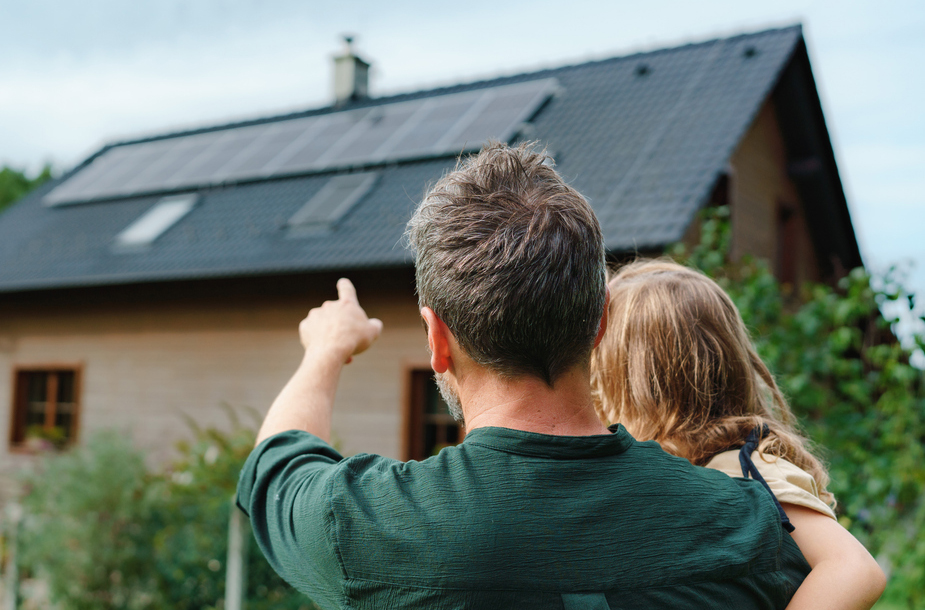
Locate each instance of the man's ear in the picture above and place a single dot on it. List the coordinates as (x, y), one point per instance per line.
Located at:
(603, 327)
(438, 340)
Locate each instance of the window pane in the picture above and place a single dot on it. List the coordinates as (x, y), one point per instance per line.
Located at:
(65, 386)
(38, 386)
(35, 414)
(36, 399)
(434, 402)
(64, 418)
(440, 429)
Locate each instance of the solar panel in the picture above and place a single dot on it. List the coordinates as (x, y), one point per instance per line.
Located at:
(433, 121)
(247, 143)
(310, 132)
(501, 114)
(105, 172)
(439, 125)
(176, 158)
(222, 150)
(380, 125)
(265, 149)
(334, 127)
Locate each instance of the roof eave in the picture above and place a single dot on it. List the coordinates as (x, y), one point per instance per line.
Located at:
(812, 165)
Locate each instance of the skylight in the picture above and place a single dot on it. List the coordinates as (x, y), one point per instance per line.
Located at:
(332, 202)
(155, 222)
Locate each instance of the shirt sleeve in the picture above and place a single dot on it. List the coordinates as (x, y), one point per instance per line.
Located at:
(790, 484)
(284, 488)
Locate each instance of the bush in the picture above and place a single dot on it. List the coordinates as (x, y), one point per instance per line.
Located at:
(191, 544)
(86, 526)
(106, 534)
(852, 385)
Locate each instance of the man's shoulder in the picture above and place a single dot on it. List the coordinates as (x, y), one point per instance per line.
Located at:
(662, 467)
(637, 518)
(459, 482)
(640, 467)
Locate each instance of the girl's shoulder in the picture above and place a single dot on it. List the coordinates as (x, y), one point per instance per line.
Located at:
(790, 484)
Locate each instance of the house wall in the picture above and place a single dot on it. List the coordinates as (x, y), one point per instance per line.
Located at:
(759, 186)
(146, 366)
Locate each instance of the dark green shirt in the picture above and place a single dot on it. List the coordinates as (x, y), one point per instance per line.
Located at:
(512, 519)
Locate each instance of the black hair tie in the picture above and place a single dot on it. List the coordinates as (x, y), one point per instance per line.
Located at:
(749, 469)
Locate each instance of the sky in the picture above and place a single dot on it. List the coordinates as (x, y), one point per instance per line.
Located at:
(75, 75)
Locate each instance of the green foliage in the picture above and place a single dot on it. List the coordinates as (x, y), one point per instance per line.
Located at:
(14, 184)
(107, 534)
(84, 528)
(852, 385)
(56, 436)
(191, 546)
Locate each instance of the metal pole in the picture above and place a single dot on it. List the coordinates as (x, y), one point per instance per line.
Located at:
(11, 575)
(236, 566)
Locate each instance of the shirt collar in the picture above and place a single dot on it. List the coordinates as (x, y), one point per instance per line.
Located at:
(551, 446)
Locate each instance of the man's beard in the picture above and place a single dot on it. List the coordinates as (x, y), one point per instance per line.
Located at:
(450, 397)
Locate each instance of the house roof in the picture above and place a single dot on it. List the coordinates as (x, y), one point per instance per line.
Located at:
(644, 137)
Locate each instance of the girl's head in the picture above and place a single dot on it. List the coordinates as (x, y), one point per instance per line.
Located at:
(676, 365)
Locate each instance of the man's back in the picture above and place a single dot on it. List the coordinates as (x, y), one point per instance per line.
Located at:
(513, 519)
(541, 507)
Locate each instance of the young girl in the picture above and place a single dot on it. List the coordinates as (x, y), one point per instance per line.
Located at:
(676, 366)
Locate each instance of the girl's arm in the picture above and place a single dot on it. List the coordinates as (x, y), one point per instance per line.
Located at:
(843, 576)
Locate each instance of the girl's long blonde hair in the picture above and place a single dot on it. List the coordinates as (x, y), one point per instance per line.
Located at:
(676, 366)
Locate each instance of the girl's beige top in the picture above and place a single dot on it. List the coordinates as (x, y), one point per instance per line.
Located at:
(790, 484)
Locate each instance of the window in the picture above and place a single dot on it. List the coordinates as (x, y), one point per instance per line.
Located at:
(430, 425)
(152, 224)
(45, 406)
(337, 197)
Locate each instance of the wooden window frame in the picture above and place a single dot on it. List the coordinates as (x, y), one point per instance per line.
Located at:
(17, 439)
(414, 411)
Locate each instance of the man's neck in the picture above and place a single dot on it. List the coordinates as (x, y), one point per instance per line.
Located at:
(528, 404)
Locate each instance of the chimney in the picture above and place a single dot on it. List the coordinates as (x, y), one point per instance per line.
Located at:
(351, 75)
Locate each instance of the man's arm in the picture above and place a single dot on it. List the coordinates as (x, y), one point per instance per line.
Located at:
(331, 335)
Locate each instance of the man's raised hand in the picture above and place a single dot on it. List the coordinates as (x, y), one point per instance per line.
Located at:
(339, 329)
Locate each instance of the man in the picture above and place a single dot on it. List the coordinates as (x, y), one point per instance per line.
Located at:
(541, 506)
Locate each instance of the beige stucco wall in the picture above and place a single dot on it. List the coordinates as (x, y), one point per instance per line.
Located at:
(758, 184)
(144, 367)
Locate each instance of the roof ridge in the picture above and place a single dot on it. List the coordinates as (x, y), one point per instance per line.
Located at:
(440, 90)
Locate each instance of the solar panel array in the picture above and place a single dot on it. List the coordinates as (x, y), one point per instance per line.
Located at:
(433, 126)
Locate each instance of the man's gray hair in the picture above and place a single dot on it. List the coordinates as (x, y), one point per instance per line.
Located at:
(511, 258)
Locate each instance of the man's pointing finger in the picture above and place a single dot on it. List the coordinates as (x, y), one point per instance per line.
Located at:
(346, 291)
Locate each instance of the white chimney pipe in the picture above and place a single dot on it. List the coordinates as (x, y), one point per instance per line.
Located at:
(351, 75)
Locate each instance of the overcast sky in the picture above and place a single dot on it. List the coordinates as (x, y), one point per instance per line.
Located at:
(74, 75)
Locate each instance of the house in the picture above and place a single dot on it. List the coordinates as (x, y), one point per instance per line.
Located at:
(167, 275)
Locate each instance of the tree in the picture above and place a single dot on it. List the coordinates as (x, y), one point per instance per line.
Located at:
(15, 184)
